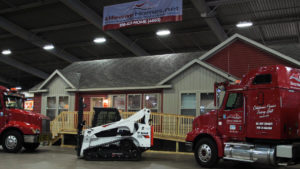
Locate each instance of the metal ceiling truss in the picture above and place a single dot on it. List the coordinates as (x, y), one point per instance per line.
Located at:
(210, 19)
(96, 20)
(31, 70)
(27, 6)
(51, 28)
(35, 40)
(7, 81)
(225, 2)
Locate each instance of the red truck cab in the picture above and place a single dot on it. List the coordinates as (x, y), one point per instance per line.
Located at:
(19, 128)
(257, 120)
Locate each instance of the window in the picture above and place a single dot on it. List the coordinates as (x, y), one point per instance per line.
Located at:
(51, 107)
(51, 102)
(206, 102)
(105, 116)
(188, 104)
(235, 100)
(118, 102)
(220, 94)
(96, 102)
(63, 104)
(152, 102)
(262, 79)
(134, 102)
(56, 105)
(13, 102)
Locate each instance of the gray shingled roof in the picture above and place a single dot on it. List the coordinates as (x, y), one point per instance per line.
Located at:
(126, 72)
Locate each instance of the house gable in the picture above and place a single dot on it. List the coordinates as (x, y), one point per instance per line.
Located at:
(194, 79)
(54, 75)
(238, 54)
(57, 86)
(202, 64)
(239, 57)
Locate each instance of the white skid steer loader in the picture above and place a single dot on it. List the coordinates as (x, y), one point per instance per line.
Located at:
(113, 138)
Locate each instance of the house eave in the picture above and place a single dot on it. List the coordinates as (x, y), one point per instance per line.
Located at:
(120, 88)
(39, 91)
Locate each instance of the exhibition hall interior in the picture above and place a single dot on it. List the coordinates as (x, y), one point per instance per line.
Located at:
(148, 84)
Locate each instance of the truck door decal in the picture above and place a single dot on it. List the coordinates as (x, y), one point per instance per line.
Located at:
(264, 111)
(233, 115)
(295, 80)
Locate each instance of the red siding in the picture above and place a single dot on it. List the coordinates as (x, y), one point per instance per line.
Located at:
(87, 99)
(37, 103)
(87, 96)
(238, 58)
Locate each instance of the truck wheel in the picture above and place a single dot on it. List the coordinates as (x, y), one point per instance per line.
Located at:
(31, 146)
(12, 141)
(206, 152)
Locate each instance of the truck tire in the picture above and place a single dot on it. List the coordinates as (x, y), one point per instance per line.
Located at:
(12, 141)
(206, 152)
(31, 146)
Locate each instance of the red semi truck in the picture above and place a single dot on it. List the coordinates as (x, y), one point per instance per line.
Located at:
(258, 120)
(19, 128)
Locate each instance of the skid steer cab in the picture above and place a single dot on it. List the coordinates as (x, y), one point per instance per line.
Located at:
(114, 138)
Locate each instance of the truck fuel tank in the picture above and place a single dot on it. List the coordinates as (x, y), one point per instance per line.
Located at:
(250, 153)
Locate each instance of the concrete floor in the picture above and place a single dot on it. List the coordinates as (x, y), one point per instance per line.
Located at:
(65, 158)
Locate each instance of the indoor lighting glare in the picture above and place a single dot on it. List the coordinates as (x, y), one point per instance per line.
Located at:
(244, 24)
(99, 40)
(19, 88)
(6, 52)
(163, 32)
(48, 47)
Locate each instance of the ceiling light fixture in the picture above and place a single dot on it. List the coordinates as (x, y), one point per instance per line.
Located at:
(6, 52)
(163, 32)
(244, 24)
(99, 40)
(48, 47)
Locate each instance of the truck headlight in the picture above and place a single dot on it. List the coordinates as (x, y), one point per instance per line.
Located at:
(36, 131)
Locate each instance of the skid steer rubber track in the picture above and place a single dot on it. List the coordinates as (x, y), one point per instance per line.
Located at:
(128, 152)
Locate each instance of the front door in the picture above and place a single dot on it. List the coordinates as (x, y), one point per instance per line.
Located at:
(97, 102)
(233, 115)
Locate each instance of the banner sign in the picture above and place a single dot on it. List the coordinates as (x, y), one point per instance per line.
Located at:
(142, 12)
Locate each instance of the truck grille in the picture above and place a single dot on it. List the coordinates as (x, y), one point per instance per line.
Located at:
(45, 126)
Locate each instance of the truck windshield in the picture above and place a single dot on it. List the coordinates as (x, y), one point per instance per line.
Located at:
(13, 102)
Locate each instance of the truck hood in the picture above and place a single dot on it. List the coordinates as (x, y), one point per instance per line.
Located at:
(25, 115)
(206, 121)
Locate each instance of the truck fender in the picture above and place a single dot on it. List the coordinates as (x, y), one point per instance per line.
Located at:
(217, 139)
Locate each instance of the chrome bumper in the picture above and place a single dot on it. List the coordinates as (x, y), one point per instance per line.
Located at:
(31, 138)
